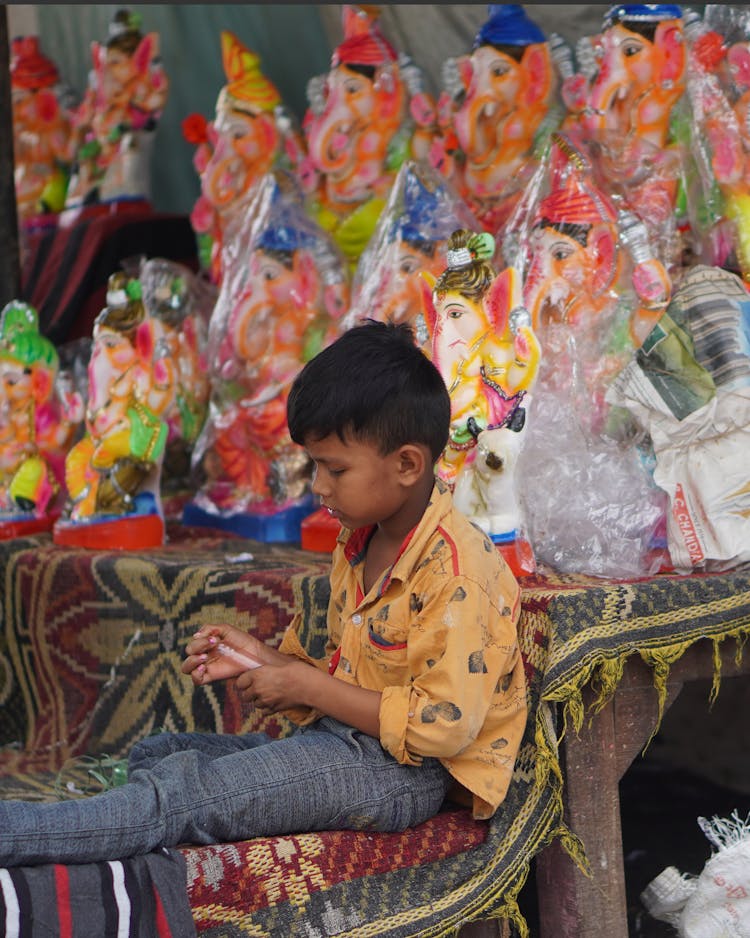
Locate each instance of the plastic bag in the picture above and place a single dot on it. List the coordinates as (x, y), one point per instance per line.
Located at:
(715, 904)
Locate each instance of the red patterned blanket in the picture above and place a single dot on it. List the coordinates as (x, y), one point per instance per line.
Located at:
(90, 657)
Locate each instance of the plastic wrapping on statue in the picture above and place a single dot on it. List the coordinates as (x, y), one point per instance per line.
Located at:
(689, 387)
(115, 124)
(41, 134)
(358, 131)
(589, 500)
(718, 94)
(488, 355)
(113, 472)
(38, 420)
(180, 308)
(284, 292)
(251, 134)
(411, 236)
(623, 108)
(501, 101)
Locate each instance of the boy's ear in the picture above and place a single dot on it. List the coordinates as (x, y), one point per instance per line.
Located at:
(412, 461)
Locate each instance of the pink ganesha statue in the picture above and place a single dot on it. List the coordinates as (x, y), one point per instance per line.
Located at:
(280, 302)
(488, 354)
(115, 124)
(37, 424)
(251, 134)
(499, 98)
(357, 131)
(113, 473)
(41, 132)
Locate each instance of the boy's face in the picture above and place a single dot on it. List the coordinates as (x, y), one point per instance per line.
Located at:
(357, 484)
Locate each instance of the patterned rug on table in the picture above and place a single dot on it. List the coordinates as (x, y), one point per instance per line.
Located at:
(92, 642)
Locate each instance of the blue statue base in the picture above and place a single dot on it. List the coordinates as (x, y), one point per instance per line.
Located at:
(278, 527)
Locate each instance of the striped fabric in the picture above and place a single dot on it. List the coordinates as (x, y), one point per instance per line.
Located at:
(141, 897)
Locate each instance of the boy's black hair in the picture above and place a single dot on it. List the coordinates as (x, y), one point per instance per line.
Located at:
(375, 384)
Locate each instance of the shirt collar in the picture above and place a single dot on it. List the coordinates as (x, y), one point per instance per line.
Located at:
(355, 542)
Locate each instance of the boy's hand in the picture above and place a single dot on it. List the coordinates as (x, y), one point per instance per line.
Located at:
(205, 662)
(277, 687)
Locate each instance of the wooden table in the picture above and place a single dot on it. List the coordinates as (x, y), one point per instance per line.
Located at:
(572, 905)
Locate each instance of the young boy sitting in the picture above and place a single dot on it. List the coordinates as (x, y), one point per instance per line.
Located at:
(421, 693)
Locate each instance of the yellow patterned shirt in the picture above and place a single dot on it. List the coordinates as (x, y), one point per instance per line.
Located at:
(437, 636)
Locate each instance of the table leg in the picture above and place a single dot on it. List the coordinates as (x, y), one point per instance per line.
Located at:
(572, 905)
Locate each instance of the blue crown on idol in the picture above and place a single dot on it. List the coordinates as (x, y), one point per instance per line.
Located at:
(284, 238)
(508, 25)
(641, 13)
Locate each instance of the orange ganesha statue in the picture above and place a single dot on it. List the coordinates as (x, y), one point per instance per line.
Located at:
(280, 302)
(500, 98)
(621, 106)
(41, 132)
(594, 294)
(357, 130)
(251, 134)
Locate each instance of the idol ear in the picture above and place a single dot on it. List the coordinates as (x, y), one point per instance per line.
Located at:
(144, 341)
(427, 283)
(503, 295)
(41, 384)
(147, 49)
(670, 40)
(307, 279)
(603, 249)
(537, 69)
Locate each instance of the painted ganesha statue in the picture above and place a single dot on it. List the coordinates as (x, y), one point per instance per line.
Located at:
(38, 423)
(281, 301)
(488, 354)
(113, 472)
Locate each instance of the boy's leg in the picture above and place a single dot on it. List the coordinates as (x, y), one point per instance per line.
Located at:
(324, 777)
(152, 749)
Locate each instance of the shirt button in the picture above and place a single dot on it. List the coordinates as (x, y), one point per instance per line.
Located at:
(357, 619)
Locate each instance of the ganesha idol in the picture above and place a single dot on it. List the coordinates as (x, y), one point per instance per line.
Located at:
(179, 306)
(621, 106)
(488, 355)
(500, 98)
(115, 123)
(590, 271)
(251, 134)
(411, 238)
(113, 473)
(357, 131)
(718, 89)
(281, 302)
(41, 133)
(594, 292)
(37, 424)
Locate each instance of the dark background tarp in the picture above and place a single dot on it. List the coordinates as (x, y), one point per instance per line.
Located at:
(294, 41)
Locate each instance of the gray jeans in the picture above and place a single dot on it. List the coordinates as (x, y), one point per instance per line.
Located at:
(202, 788)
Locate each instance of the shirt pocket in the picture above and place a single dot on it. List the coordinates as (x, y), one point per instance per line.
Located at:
(387, 650)
(386, 638)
